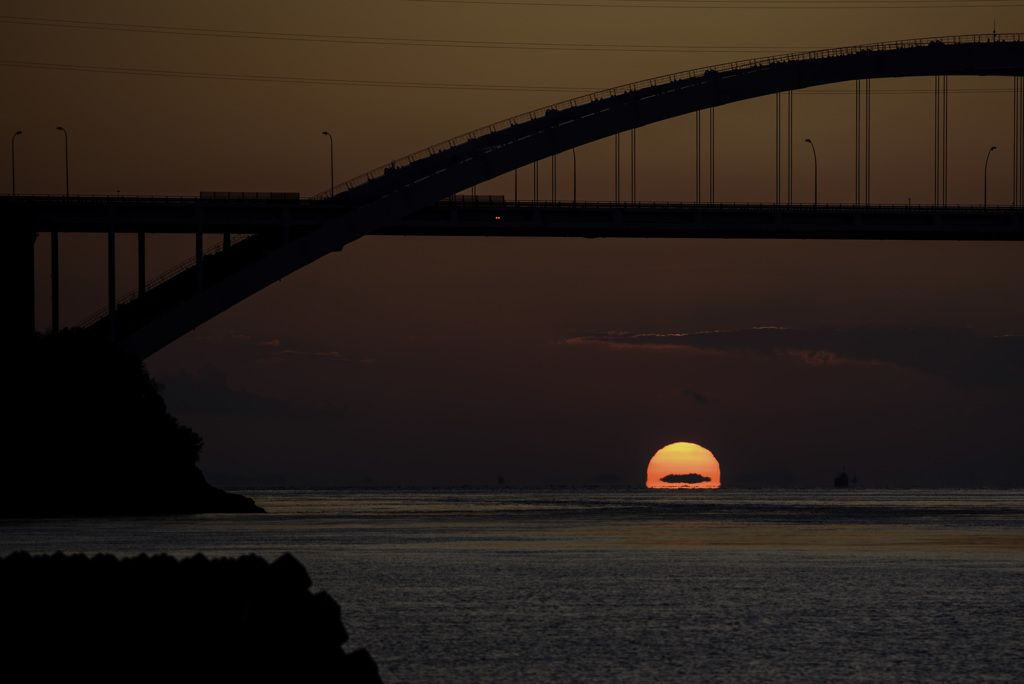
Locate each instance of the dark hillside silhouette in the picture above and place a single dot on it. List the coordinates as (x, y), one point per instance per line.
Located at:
(96, 437)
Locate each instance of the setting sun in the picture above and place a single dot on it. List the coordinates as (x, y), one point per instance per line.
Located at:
(684, 466)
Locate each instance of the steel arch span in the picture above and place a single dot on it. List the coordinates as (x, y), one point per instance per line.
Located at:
(389, 193)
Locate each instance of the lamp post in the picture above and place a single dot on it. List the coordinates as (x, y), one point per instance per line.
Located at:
(815, 153)
(986, 173)
(67, 174)
(331, 138)
(16, 134)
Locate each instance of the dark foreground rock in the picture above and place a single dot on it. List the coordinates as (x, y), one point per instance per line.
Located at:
(89, 434)
(157, 618)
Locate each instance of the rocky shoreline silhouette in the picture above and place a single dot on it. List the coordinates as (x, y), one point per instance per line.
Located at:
(157, 617)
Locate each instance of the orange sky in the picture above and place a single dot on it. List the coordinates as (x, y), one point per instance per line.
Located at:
(442, 360)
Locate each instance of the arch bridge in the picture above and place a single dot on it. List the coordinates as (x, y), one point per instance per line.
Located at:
(383, 198)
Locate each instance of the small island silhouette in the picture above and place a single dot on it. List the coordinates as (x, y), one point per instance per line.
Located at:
(97, 438)
(691, 478)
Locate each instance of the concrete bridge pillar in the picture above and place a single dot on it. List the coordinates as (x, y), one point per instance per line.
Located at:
(54, 281)
(24, 276)
(111, 289)
(1018, 141)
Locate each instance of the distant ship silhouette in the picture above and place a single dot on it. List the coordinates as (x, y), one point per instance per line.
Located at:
(842, 479)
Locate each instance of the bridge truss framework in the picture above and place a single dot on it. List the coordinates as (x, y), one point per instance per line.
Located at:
(392, 195)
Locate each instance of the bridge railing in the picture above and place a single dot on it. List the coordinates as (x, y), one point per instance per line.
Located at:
(715, 71)
(263, 198)
(498, 202)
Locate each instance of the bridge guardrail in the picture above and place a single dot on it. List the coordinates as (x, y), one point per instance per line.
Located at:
(714, 71)
(477, 203)
(221, 198)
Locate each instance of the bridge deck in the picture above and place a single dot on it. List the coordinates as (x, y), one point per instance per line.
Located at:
(528, 219)
(662, 220)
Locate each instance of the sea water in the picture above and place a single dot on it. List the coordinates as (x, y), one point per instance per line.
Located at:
(631, 585)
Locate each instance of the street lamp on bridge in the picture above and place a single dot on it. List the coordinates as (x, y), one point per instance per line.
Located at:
(331, 138)
(815, 153)
(67, 174)
(986, 174)
(16, 134)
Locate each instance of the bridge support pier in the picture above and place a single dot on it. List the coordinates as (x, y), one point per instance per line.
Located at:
(199, 261)
(23, 271)
(789, 148)
(696, 195)
(617, 162)
(789, 158)
(141, 241)
(1018, 141)
(711, 155)
(111, 286)
(54, 282)
(554, 178)
(778, 148)
(632, 165)
(941, 138)
(866, 148)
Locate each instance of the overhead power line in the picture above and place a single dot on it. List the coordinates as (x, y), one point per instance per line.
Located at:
(257, 78)
(376, 40)
(291, 79)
